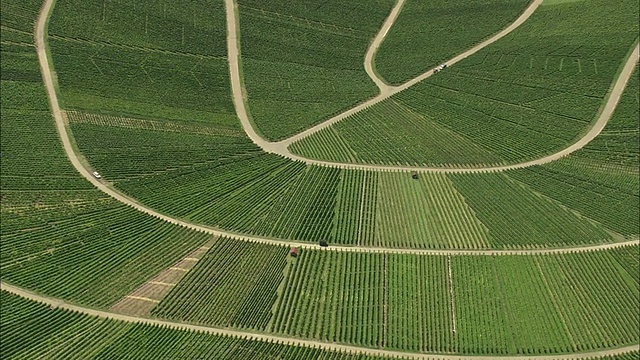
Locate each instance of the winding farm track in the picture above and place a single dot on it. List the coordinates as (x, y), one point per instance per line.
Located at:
(75, 158)
(49, 81)
(386, 91)
(60, 304)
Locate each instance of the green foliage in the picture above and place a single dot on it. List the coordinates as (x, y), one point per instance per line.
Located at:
(619, 142)
(302, 61)
(92, 249)
(149, 83)
(516, 216)
(425, 213)
(192, 27)
(19, 16)
(530, 94)
(33, 330)
(522, 305)
(426, 33)
(233, 285)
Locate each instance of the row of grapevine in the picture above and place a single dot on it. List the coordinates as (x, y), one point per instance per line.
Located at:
(428, 33)
(233, 285)
(584, 191)
(355, 208)
(530, 94)
(31, 330)
(302, 62)
(333, 296)
(516, 215)
(196, 28)
(520, 304)
(427, 212)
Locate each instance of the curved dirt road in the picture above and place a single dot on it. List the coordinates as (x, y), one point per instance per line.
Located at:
(60, 304)
(385, 88)
(48, 76)
(386, 91)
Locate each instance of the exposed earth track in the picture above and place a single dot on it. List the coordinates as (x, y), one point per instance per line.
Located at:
(386, 91)
(86, 172)
(60, 304)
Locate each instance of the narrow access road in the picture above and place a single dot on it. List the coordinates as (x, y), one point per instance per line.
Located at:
(386, 91)
(48, 76)
(385, 88)
(61, 304)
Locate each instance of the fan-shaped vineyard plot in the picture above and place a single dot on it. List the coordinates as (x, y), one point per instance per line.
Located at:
(530, 94)
(540, 262)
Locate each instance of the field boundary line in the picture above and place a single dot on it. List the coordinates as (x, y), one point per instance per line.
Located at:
(60, 304)
(86, 172)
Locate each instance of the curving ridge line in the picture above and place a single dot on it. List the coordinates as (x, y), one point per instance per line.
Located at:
(386, 91)
(74, 158)
(61, 304)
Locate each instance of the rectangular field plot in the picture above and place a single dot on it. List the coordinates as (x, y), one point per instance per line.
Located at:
(427, 212)
(520, 304)
(515, 215)
(233, 285)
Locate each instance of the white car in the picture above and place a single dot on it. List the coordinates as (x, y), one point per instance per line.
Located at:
(96, 175)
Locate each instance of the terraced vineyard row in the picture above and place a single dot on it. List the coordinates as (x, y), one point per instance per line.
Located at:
(384, 301)
(428, 33)
(33, 330)
(234, 285)
(530, 94)
(302, 61)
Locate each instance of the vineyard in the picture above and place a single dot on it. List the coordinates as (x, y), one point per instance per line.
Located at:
(303, 61)
(32, 330)
(530, 94)
(429, 33)
(228, 183)
(145, 94)
(233, 286)
(410, 302)
(93, 249)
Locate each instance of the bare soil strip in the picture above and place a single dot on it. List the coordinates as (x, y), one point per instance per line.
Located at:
(142, 300)
(60, 304)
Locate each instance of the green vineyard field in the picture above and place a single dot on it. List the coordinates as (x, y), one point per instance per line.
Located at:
(303, 61)
(418, 303)
(427, 33)
(530, 94)
(414, 264)
(32, 330)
